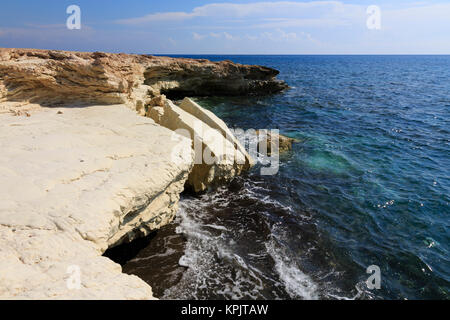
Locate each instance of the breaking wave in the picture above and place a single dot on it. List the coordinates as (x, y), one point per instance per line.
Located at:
(233, 249)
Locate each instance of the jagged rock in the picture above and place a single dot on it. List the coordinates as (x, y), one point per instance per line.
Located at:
(210, 119)
(158, 101)
(284, 142)
(79, 181)
(218, 158)
(60, 78)
(76, 183)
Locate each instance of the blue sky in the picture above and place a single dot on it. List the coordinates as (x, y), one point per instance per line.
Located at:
(229, 27)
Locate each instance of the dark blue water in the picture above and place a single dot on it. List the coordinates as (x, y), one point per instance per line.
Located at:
(367, 184)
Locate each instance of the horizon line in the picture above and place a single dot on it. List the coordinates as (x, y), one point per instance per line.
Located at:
(240, 54)
(298, 54)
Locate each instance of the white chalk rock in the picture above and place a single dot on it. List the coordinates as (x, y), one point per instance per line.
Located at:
(210, 119)
(75, 181)
(218, 158)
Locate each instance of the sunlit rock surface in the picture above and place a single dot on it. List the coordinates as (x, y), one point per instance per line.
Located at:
(83, 170)
(62, 77)
(75, 181)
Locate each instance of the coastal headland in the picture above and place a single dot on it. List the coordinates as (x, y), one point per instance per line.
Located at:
(93, 156)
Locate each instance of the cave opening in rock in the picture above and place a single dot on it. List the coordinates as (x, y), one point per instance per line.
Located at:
(154, 258)
(125, 252)
(203, 89)
(178, 94)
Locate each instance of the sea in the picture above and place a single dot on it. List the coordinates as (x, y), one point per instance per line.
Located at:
(359, 209)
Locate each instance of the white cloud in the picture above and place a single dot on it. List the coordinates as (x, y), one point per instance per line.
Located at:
(314, 26)
(197, 36)
(314, 12)
(250, 37)
(158, 17)
(229, 36)
(280, 35)
(223, 35)
(172, 41)
(313, 22)
(277, 35)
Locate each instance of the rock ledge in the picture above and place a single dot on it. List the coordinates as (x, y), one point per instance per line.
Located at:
(83, 170)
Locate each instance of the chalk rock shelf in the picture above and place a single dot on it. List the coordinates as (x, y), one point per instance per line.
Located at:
(90, 159)
(74, 184)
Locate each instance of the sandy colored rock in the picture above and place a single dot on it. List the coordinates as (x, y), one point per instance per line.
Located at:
(79, 180)
(158, 101)
(62, 78)
(284, 142)
(208, 142)
(76, 183)
(210, 119)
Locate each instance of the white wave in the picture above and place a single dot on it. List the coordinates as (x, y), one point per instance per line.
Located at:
(200, 257)
(297, 284)
(214, 266)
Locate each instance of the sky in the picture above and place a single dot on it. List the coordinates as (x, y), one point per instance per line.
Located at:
(231, 27)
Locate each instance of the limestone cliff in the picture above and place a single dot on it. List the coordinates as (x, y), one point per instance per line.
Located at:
(82, 169)
(60, 78)
(33, 78)
(75, 181)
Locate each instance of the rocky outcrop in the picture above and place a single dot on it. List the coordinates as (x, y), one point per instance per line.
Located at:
(76, 181)
(179, 78)
(214, 122)
(84, 178)
(271, 142)
(59, 78)
(219, 157)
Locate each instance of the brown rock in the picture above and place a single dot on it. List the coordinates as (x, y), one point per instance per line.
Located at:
(158, 101)
(62, 78)
(284, 142)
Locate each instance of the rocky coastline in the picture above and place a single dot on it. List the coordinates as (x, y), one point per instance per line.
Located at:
(95, 154)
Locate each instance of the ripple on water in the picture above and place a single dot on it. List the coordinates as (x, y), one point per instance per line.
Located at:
(357, 190)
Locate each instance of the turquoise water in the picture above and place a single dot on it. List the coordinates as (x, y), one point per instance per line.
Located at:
(367, 184)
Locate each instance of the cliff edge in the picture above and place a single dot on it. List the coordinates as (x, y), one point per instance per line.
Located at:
(92, 156)
(60, 77)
